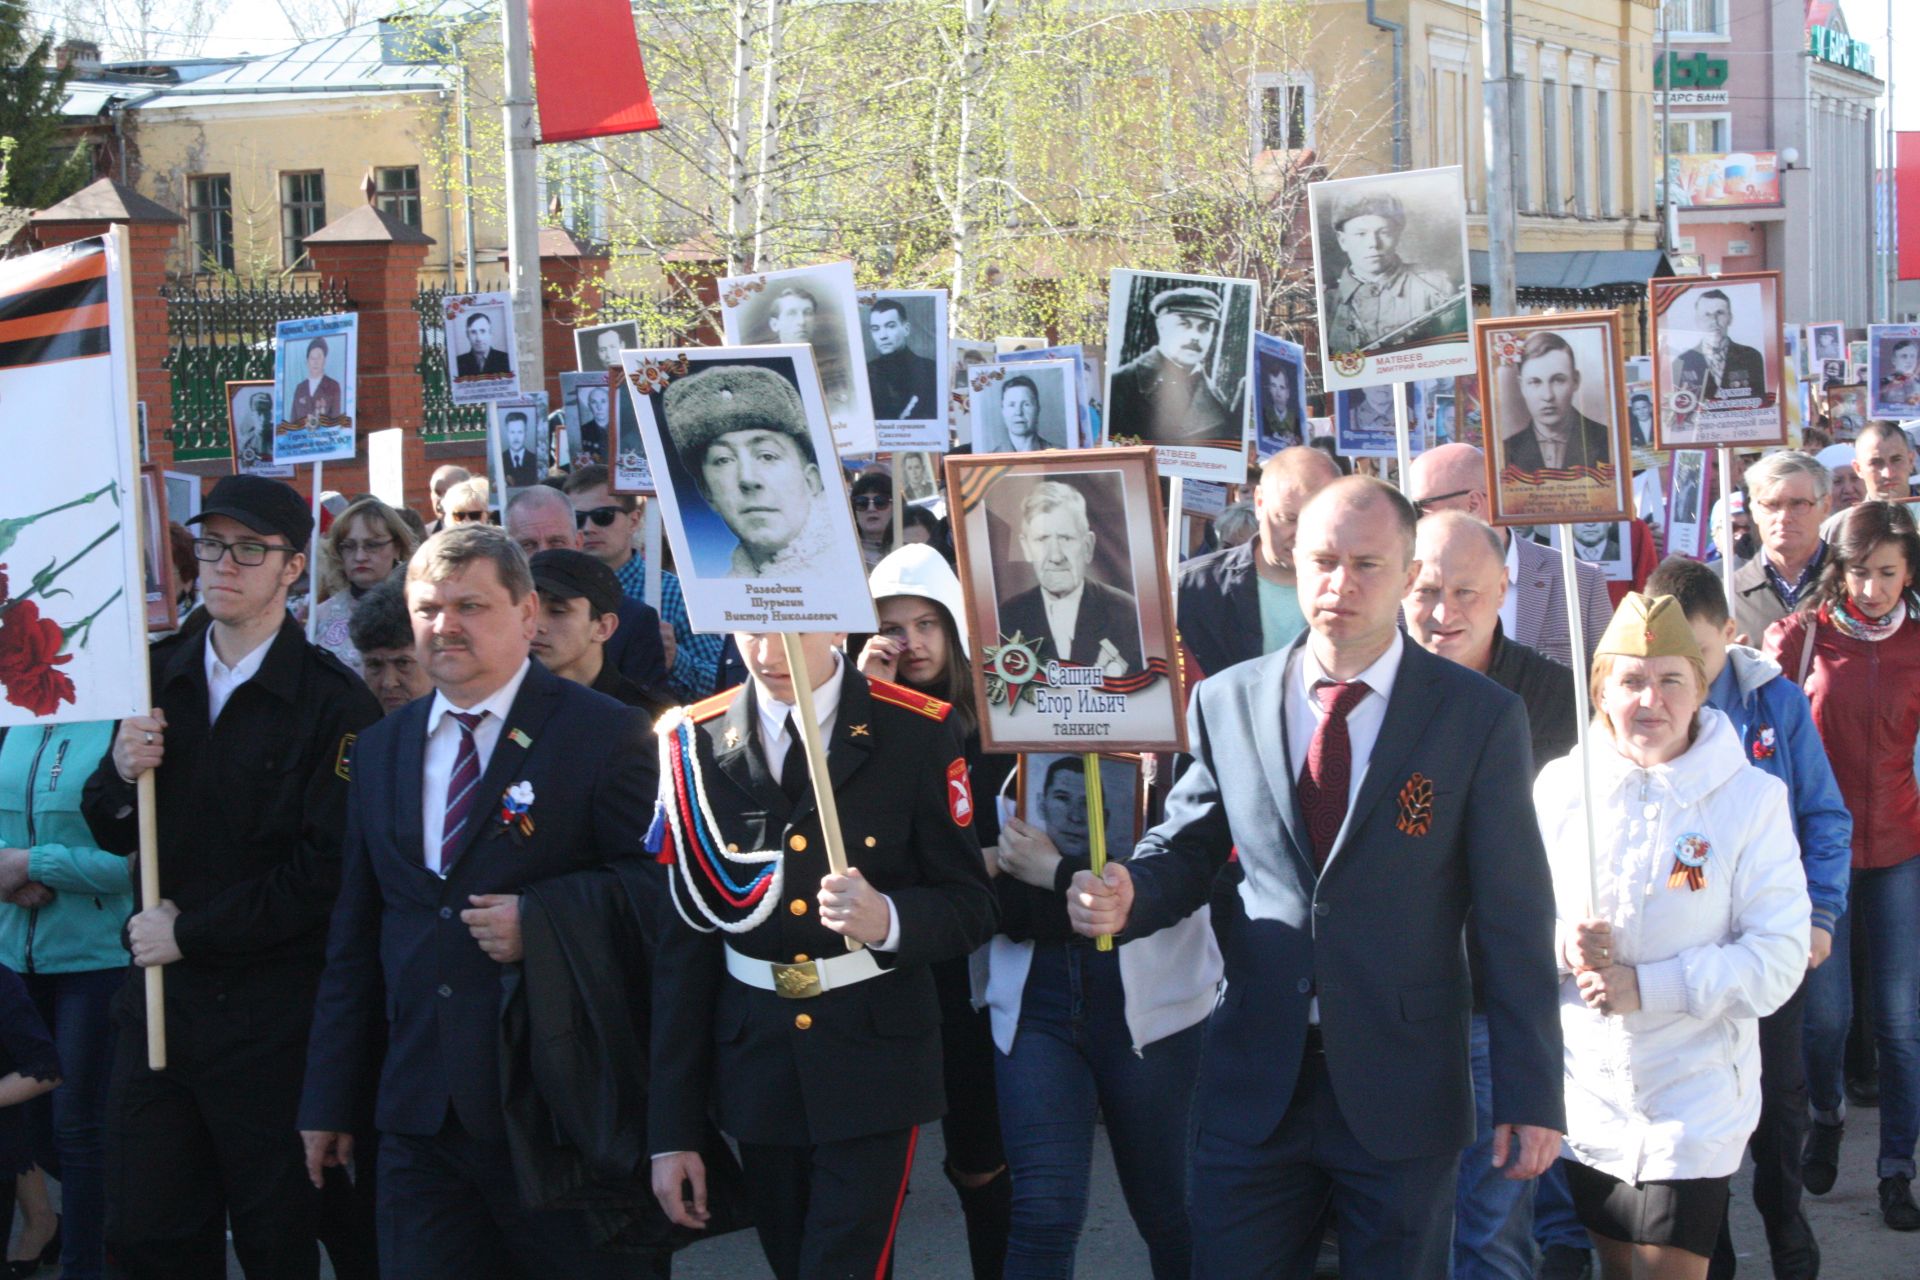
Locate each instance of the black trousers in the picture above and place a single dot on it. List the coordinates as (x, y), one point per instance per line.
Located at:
(829, 1212)
(211, 1140)
(1776, 1144)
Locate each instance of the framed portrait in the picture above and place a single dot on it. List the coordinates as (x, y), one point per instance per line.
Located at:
(918, 479)
(588, 402)
(1690, 480)
(964, 356)
(1005, 346)
(1827, 341)
(1363, 423)
(1893, 371)
(517, 444)
(1718, 361)
(1179, 358)
(815, 307)
(1088, 432)
(1279, 395)
(156, 553)
(1040, 536)
(905, 332)
(1640, 428)
(629, 471)
(1846, 411)
(1024, 408)
(1390, 260)
(1467, 414)
(1050, 792)
(315, 364)
(477, 331)
(749, 488)
(1429, 413)
(1605, 544)
(597, 347)
(1555, 413)
(1856, 352)
(250, 433)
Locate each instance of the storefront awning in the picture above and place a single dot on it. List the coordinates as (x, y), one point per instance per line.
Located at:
(1606, 276)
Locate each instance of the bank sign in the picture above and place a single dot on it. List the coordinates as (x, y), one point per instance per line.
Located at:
(1696, 81)
(1840, 49)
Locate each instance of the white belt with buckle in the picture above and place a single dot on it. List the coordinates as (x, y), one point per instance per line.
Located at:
(806, 979)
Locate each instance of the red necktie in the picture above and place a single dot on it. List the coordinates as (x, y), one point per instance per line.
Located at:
(1329, 769)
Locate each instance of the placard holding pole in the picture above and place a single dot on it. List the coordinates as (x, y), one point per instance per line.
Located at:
(313, 561)
(650, 549)
(1176, 526)
(1723, 534)
(895, 463)
(1096, 829)
(1402, 444)
(816, 748)
(1583, 711)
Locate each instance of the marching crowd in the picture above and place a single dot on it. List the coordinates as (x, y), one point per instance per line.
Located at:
(1387, 968)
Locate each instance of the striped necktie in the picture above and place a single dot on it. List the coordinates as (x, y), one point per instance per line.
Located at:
(461, 785)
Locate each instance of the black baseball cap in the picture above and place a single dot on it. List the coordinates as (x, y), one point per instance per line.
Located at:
(571, 575)
(263, 505)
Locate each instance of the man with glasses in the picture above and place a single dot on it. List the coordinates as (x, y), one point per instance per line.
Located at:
(607, 522)
(1787, 496)
(250, 744)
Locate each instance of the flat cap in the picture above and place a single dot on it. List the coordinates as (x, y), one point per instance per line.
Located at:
(566, 574)
(1188, 300)
(701, 408)
(263, 505)
(1380, 206)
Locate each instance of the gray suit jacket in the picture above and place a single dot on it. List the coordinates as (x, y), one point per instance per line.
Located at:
(1540, 605)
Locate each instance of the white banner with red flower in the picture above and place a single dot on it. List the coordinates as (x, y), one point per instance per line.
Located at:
(73, 632)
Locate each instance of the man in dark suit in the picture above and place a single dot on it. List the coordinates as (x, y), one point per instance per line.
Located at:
(480, 359)
(1376, 794)
(821, 1061)
(905, 384)
(1166, 395)
(318, 396)
(1080, 619)
(519, 465)
(461, 802)
(1718, 367)
(1559, 435)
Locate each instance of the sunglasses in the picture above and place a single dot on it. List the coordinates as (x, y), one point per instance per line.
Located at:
(871, 502)
(468, 517)
(1424, 505)
(601, 516)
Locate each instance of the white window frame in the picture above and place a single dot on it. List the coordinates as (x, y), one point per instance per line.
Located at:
(1716, 31)
(1693, 119)
(1257, 89)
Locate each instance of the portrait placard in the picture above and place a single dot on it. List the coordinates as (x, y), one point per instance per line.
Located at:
(517, 444)
(587, 403)
(1023, 408)
(629, 471)
(1179, 358)
(1640, 419)
(1846, 404)
(1430, 413)
(250, 431)
(1390, 258)
(1689, 479)
(1005, 346)
(1088, 432)
(1893, 371)
(1363, 423)
(1043, 535)
(315, 375)
(965, 356)
(1279, 395)
(1718, 361)
(1050, 793)
(917, 479)
(1555, 412)
(905, 331)
(815, 307)
(1827, 341)
(156, 553)
(597, 347)
(477, 332)
(750, 494)
(1468, 417)
(1605, 544)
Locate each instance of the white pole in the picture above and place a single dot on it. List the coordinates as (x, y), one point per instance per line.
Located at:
(1176, 530)
(1583, 712)
(1402, 449)
(523, 213)
(1724, 533)
(313, 561)
(650, 544)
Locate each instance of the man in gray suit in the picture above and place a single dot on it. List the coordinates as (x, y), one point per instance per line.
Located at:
(1375, 794)
(1454, 478)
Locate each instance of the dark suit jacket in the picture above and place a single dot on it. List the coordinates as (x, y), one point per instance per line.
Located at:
(1152, 398)
(1106, 613)
(308, 403)
(398, 952)
(1220, 609)
(465, 365)
(1746, 372)
(528, 472)
(1378, 935)
(1588, 445)
(635, 646)
(904, 379)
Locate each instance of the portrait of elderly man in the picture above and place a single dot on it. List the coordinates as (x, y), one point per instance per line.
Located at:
(1080, 619)
(1379, 301)
(316, 396)
(1557, 434)
(905, 384)
(1166, 395)
(1899, 371)
(1717, 367)
(481, 359)
(594, 408)
(741, 433)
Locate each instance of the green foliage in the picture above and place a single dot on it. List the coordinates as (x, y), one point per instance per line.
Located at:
(41, 167)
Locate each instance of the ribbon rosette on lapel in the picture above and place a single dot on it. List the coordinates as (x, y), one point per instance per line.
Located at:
(1689, 862)
(1416, 806)
(516, 807)
(1763, 747)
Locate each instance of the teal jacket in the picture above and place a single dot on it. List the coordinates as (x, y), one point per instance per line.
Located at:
(42, 771)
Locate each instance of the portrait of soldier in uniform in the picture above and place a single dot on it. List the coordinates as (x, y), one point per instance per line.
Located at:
(1378, 301)
(1167, 394)
(1280, 421)
(252, 428)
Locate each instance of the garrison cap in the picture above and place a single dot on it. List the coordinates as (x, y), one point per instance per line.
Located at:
(1188, 300)
(701, 408)
(1651, 627)
(1380, 206)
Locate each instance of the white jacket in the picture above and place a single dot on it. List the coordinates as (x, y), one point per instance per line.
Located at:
(1673, 1090)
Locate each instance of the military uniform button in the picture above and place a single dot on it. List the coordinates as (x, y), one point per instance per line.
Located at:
(872, 841)
(445, 991)
(801, 958)
(733, 848)
(803, 1021)
(798, 906)
(797, 843)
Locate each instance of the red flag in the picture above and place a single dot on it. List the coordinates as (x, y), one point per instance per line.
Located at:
(1907, 217)
(587, 72)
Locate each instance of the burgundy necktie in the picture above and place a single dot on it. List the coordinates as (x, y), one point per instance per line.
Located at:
(461, 785)
(1329, 768)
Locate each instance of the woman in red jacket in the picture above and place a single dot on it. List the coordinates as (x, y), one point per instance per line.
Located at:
(1855, 648)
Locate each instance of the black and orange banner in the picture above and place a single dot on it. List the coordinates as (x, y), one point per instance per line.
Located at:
(56, 312)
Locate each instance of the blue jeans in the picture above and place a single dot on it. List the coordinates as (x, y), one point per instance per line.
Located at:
(75, 1008)
(1886, 903)
(1492, 1213)
(1072, 1058)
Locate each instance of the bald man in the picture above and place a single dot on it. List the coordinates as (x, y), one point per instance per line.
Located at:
(1453, 477)
(1240, 603)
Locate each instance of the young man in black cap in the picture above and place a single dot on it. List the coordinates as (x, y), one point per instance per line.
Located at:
(579, 612)
(250, 743)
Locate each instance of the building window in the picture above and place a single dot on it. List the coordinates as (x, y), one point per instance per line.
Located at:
(397, 193)
(1550, 148)
(1603, 149)
(573, 174)
(1282, 112)
(1695, 135)
(210, 221)
(1580, 145)
(1695, 18)
(303, 211)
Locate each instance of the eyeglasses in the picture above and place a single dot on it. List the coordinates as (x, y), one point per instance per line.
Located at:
(601, 516)
(245, 552)
(871, 502)
(372, 546)
(468, 517)
(1774, 506)
(1423, 505)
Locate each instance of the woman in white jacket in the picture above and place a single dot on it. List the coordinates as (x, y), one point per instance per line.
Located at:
(1690, 926)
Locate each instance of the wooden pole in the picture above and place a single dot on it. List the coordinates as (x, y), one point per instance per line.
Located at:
(1175, 529)
(816, 760)
(1096, 829)
(1583, 711)
(1724, 534)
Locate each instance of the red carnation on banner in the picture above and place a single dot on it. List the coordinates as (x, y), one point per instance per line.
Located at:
(29, 652)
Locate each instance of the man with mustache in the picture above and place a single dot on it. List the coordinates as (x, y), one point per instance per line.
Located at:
(1081, 620)
(1379, 302)
(1167, 395)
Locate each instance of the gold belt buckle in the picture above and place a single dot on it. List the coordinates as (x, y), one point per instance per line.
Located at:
(797, 981)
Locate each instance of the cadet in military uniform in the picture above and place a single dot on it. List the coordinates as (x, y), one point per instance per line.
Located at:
(1166, 395)
(1379, 302)
(820, 1061)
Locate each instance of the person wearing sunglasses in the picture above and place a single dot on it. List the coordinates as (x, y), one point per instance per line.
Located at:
(468, 502)
(250, 747)
(873, 515)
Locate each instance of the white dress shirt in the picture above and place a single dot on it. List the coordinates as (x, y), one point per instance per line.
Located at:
(443, 748)
(1510, 607)
(222, 679)
(1303, 713)
(775, 742)
(1063, 617)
